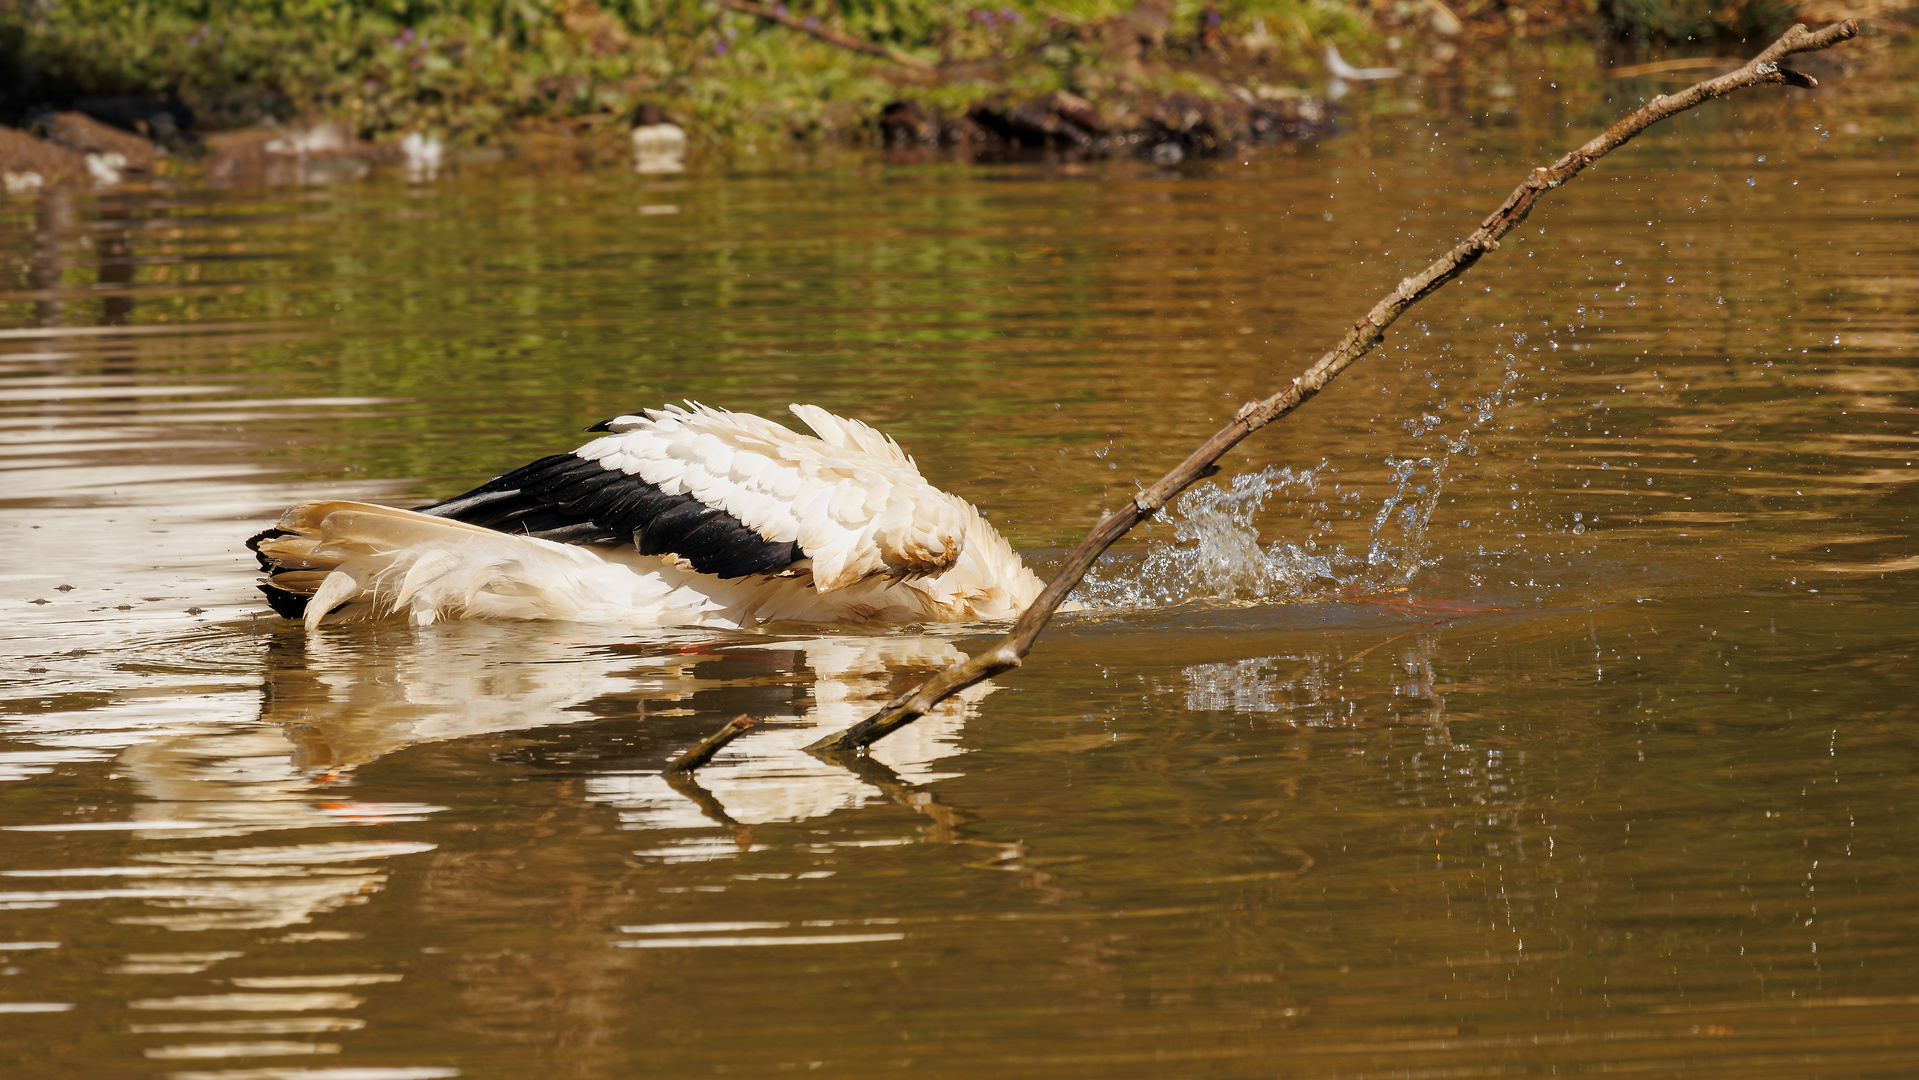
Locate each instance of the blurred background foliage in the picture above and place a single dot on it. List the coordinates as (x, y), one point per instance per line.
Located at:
(1690, 20)
(471, 70)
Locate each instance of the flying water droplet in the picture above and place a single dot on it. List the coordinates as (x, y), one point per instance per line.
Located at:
(1216, 553)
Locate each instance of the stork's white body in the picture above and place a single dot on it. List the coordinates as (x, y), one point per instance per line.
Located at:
(865, 536)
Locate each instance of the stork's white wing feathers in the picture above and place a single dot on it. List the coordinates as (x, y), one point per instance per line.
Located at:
(843, 434)
(851, 498)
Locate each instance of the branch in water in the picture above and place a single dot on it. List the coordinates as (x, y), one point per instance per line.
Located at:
(703, 751)
(1366, 333)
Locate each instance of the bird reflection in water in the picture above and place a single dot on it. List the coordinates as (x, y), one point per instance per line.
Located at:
(344, 701)
(236, 764)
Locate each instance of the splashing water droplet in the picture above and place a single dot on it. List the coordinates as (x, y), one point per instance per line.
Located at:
(1216, 553)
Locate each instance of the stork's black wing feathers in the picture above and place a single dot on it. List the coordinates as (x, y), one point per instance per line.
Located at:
(574, 500)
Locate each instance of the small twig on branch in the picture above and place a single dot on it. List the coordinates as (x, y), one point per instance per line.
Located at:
(826, 34)
(1009, 651)
(703, 751)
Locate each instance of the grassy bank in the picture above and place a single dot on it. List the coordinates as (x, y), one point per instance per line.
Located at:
(481, 72)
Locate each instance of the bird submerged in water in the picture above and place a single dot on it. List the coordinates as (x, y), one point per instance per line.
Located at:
(672, 517)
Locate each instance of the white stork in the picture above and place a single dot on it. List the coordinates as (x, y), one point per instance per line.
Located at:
(672, 517)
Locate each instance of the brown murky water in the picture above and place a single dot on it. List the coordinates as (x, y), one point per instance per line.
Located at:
(1540, 700)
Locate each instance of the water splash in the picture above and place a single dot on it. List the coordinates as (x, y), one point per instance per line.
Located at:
(1216, 553)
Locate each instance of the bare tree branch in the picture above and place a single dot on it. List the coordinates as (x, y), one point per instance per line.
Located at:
(826, 33)
(1366, 333)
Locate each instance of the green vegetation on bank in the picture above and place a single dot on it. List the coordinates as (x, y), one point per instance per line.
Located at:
(470, 69)
(474, 71)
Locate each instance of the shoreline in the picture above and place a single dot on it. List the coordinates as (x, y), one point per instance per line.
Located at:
(1145, 92)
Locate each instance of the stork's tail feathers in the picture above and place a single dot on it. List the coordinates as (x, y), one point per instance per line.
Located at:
(290, 583)
(343, 560)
